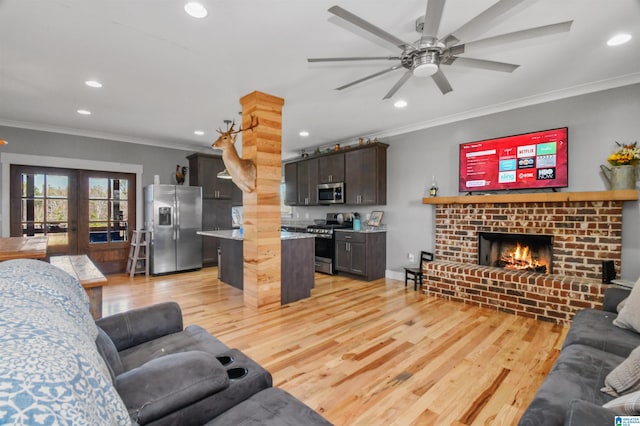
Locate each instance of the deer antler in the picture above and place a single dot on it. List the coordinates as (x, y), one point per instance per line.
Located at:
(230, 131)
(242, 171)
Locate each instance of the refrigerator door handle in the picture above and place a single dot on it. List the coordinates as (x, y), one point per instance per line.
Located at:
(175, 218)
(177, 226)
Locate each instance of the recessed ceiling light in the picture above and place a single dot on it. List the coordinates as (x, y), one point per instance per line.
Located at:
(84, 112)
(198, 132)
(400, 103)
(93, 83)
(304, 133)
(195, 9)
(618, 39)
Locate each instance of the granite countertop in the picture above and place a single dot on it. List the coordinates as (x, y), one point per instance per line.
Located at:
(235, 234)
(364, 230)
(296, 223)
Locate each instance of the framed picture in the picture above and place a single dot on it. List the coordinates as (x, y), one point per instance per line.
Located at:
(375, 218)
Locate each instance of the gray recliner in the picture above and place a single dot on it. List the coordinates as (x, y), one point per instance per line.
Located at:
(170, 375)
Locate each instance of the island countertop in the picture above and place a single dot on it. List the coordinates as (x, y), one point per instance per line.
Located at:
(365, 230)
(235, 234)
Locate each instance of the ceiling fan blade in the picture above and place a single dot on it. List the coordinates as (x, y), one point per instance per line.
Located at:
(354, 58)
(367, 26)
(393, 68)
(432, 19)
(399, 84)
(482, 22)
(442, 82)
(482, 64)
(545, 30)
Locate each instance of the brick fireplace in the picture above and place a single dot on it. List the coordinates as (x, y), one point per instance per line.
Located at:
(586, 230)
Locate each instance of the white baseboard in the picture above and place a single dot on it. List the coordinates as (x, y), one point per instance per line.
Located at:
(394, 275)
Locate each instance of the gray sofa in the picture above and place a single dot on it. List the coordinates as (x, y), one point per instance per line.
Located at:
(59, 366)
(570, 394)
(170, 375)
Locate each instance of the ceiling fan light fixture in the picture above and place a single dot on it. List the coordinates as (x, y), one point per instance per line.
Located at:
(425, 65)
(425, 70)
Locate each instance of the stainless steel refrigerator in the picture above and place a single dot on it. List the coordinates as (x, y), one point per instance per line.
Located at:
(173, 214)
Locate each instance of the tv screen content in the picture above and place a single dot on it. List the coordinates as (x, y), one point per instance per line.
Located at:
(526, 161)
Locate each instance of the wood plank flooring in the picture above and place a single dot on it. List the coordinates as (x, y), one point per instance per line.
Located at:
(370, 353)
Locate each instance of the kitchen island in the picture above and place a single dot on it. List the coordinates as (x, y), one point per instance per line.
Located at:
(297, 262)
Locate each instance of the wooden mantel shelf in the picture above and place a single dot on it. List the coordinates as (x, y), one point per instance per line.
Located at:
(618, 195)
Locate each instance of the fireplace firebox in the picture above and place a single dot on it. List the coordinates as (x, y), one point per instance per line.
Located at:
(518, 252)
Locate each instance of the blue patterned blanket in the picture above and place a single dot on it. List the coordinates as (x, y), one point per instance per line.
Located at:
(50, 370)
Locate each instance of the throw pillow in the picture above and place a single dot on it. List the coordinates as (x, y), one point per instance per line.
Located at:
(621, 305)
(626, 405)
(625, 377)
(629, 316)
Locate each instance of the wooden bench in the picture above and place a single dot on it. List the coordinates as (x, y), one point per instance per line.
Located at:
(89, 276)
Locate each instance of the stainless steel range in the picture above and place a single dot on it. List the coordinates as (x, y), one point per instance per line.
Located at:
(325, 241)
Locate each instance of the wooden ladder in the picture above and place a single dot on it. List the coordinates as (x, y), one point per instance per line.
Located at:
(138, 261)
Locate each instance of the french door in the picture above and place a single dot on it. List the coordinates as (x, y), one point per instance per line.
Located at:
(81, 211)
(44, 202)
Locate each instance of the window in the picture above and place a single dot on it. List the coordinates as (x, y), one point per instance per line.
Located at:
(45, 206)
(285, 210)
(108, 210)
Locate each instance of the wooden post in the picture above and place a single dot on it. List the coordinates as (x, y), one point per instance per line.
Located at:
(261, 208)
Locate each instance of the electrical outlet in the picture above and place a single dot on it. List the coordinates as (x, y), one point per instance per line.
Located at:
(306, 215)
(410, 257)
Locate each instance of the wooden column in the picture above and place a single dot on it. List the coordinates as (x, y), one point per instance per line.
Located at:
(262, 245)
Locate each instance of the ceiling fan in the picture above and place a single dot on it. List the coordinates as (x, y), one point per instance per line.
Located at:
(424, 57)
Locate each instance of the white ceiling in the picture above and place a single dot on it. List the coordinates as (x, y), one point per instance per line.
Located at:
(166, 74)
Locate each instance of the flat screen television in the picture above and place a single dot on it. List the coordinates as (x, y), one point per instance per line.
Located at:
(527, 161)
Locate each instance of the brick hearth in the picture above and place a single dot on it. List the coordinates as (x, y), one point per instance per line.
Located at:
(585, 233)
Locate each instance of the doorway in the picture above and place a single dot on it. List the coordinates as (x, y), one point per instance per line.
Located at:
(81, 211)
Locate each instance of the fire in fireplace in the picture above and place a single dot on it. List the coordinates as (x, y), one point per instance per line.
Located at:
(520, 252)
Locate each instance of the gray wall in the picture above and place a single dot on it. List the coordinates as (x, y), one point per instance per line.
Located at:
(595, 121)
(154, 160)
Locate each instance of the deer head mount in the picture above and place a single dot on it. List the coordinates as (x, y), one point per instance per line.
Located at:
(243, 172)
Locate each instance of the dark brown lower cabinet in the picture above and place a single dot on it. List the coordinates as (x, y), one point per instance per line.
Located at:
(361, 254)
(216, 215)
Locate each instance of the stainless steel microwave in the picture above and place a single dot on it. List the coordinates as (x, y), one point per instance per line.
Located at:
(331, 193)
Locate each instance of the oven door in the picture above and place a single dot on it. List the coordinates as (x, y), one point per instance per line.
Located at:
(324, 253)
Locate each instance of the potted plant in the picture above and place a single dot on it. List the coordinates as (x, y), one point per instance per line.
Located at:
(624, 161)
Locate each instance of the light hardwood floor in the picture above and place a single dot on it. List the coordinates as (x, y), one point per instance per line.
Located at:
(370, 353)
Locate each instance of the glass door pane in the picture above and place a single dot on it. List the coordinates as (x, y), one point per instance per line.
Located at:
(108, 210)
(43, 203)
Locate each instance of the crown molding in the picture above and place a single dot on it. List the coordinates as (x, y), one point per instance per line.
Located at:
(183, 145)
(583, 89)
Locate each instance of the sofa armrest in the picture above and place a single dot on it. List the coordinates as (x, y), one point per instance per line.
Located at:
(142, 325)
(584, 413)
(613, 296)
(169, 383)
